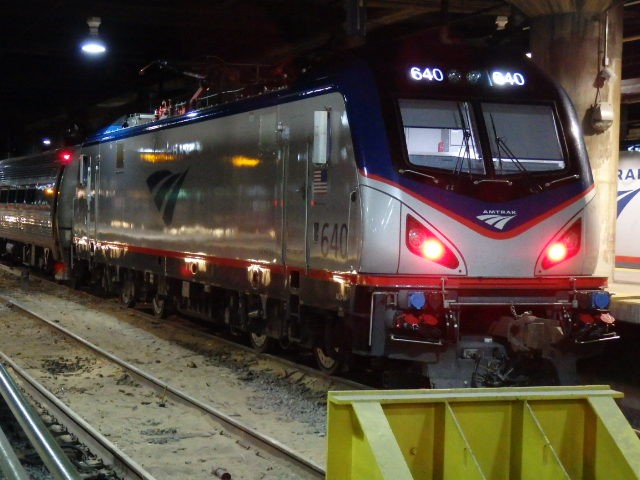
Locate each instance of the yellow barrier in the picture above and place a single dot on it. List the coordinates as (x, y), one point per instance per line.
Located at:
(467, 434)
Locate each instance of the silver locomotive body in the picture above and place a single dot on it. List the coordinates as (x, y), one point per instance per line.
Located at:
(223, 199)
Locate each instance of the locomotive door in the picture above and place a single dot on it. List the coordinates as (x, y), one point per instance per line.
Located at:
(94, 172)
(84, 204)
(294, 152)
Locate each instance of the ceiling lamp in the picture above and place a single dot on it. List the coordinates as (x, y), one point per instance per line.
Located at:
(93, 44)
(501, 22)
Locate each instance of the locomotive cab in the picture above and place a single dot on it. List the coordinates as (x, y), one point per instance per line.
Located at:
(493, 242)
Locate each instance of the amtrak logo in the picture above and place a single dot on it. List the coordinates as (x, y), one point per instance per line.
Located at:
(498, 219)
(165, 187)
(624, 197)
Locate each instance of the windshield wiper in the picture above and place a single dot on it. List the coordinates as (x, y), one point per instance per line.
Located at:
(563, 179)
(466, 154)
(493, 180)
(501, 144)
(421, 174)
(464, 149)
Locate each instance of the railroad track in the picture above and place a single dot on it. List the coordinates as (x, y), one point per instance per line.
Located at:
(104, 452)
(340, 382)
(246, 436)
(305, 466)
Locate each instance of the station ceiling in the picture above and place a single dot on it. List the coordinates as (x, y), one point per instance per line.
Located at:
(46, 84)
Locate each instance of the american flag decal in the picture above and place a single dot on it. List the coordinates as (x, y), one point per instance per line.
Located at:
(320, 184)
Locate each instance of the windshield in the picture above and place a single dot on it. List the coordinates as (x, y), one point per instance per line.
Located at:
(443, 135)
(522, 138)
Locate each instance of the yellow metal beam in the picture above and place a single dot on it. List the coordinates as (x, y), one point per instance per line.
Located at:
(387, 457)
(459, 460)
(539, 459)
(616, 445)
(521, 433)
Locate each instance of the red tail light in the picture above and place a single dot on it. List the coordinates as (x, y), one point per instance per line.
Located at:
(65, 157)
(563, 247)
(422, 242)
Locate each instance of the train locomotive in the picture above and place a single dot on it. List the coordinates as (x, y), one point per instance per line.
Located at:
(409, 203)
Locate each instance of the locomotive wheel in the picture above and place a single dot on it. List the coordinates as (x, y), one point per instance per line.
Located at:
(128, 293)
(261, 343)
(160, 306)
(328, 362)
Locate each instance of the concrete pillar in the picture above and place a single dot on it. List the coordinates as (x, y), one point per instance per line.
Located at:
(570, 47)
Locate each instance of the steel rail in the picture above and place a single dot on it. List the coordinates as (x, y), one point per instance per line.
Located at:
(257, 439)
(49, 451)
(97, 443)
(10, 465)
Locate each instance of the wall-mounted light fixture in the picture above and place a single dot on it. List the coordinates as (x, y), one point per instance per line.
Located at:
(93, 44)
(602, 112)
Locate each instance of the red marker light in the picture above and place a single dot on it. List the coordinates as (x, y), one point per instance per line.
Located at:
(66, 157)
(564, 247)
(422, 242)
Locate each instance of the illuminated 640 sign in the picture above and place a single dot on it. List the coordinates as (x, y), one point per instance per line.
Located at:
(429, 74)
(507, 78)
(496, 78)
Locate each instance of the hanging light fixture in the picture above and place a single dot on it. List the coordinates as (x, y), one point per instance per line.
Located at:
(93, 44)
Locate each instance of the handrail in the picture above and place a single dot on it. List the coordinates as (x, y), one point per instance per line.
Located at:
(41, 439)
